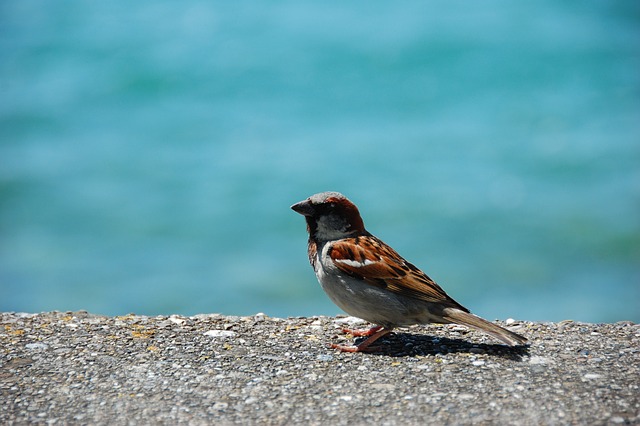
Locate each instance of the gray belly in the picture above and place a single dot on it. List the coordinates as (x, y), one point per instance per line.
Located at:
(374, 304)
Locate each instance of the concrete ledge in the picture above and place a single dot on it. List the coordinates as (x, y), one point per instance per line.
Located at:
(78, 368)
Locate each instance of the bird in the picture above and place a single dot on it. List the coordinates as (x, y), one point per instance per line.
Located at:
(369, 280)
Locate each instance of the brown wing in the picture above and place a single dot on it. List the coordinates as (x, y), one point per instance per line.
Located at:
(371, 260)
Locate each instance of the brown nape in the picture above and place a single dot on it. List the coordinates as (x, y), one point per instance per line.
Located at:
(349, 211)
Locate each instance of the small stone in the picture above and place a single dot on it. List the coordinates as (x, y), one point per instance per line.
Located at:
(538, 360)
(36, 346)
(349, 320)
(220, 333)
(478, 363)
(592, 376)
(259, 317)
(324, 357)
(177, 320)
(383, 386)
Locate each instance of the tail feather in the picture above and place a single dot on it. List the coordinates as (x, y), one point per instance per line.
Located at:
(457, 316)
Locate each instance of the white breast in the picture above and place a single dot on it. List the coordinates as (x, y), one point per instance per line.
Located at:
(363, 300)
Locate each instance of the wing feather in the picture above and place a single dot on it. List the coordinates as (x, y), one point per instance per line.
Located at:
(373, 261)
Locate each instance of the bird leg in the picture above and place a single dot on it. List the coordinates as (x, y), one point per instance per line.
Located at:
(361, 333)
(374, 334)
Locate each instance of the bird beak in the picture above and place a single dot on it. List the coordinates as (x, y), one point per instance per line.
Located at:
(303, 207)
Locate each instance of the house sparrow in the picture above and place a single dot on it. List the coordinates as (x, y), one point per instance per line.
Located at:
(367, 279)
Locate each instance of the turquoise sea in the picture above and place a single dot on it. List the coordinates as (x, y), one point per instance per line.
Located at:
(149, 151)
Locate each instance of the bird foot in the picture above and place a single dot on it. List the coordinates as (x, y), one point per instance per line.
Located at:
(374, 334)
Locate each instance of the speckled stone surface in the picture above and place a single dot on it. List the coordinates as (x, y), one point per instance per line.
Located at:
(78, 368)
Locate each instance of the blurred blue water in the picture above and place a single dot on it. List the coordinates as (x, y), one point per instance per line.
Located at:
(149, 153)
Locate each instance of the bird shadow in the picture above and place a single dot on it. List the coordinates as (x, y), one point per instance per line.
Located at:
(408, 344)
